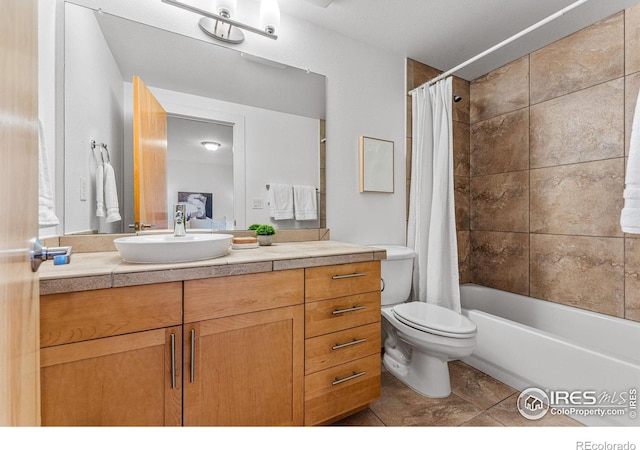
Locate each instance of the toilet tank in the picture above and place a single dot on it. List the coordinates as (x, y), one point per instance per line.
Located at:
(397, 273)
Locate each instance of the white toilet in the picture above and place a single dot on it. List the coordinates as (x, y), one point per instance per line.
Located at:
(420, 338)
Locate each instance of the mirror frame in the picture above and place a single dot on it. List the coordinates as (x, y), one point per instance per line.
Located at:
(374, 151)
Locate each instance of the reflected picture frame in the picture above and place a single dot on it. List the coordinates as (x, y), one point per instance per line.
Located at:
(194, 199)
(376, 165)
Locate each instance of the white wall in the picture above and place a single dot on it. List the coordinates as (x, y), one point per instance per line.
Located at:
(366, 95)
(280, 148)
(94, 104)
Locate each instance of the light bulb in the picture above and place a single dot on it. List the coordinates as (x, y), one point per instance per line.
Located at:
(211, 146)
(226, 8)
(270, 15)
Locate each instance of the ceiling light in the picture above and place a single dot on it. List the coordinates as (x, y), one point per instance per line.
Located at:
(210, 145)
(221, 26)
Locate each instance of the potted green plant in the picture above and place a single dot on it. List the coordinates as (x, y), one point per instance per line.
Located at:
(265, 233)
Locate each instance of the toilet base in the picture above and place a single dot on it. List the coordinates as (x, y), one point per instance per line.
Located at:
(426, 374)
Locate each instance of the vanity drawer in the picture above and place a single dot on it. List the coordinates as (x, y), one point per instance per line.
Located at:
(341, 280)
(332, 349)
(328, 316)
(341, 389)
(85, 315)
(212, 298)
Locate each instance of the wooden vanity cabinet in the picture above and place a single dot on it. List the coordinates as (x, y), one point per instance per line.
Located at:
(244, 350)
(112, 357)
(227, 351)
(342, 340)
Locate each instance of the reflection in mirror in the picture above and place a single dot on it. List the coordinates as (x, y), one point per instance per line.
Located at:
(376, 165)
(274, 113)
(205, 175)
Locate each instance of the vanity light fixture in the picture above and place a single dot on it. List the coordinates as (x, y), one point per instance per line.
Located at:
(210, 145)
(219, 25)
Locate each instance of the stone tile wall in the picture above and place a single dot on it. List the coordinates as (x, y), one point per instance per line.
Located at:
(549, 133)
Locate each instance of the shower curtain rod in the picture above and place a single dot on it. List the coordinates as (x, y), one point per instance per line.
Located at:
(501, 44)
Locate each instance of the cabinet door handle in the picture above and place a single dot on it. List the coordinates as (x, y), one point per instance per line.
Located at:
(341, 311)
(173, 360)
(348, 344)
(350, 377)
(192, 375)
(350, 275)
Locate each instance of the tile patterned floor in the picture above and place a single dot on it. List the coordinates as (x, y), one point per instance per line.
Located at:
(476, 400)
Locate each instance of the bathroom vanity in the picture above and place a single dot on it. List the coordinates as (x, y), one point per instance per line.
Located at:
(285, 335)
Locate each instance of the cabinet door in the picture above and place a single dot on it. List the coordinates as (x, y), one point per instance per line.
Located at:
(128, 380)
(245, 370)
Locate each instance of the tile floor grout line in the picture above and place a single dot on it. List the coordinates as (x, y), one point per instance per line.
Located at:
(378, 417)
(477, 415)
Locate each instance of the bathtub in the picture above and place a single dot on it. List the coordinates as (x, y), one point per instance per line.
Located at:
(526, 342)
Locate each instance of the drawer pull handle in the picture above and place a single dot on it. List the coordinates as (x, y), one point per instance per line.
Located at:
(341, 311)
(350, 377)
(173, 360)
(348, 344)
(193, 356)
(350, 275)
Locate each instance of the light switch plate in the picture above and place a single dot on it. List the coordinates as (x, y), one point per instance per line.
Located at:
(83, 189)
(258, 203)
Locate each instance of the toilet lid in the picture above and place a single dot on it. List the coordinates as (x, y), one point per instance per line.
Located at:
(434, 319)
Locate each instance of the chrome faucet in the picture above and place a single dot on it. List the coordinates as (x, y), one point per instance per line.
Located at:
(178, 220)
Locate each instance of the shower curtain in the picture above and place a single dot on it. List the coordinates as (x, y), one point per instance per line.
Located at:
(432, 228)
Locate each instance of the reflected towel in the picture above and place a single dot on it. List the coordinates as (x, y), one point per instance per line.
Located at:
(100, 211)
(281, 201)
(630, 216)
(111, 194)
(305, 204)
(46, 214)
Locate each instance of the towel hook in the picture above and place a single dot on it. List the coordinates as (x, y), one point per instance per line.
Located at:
(93, 147)
(103, 149)
(104, 146)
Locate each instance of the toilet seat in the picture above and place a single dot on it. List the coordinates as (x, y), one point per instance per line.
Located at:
(435, 319)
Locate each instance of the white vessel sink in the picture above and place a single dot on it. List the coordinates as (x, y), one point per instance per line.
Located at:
(166, 248)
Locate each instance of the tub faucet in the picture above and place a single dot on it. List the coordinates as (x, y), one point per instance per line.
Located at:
(178, 220)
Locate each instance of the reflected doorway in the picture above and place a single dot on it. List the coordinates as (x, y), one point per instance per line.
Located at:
(199, 173)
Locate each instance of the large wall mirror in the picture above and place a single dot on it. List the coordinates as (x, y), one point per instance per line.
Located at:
(267, 117)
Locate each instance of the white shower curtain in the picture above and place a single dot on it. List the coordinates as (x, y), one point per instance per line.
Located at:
(432, 227)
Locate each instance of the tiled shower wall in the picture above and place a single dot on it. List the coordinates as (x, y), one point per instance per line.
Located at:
(549, 136)
(417, 74)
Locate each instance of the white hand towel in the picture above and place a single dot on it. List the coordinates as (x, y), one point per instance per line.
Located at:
(46, 214)
(111, 194)
(630, 216)
(100, 211)
(281, 201)
(305, 204)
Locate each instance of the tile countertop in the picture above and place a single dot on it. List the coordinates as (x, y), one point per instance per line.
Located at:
(103, 270)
